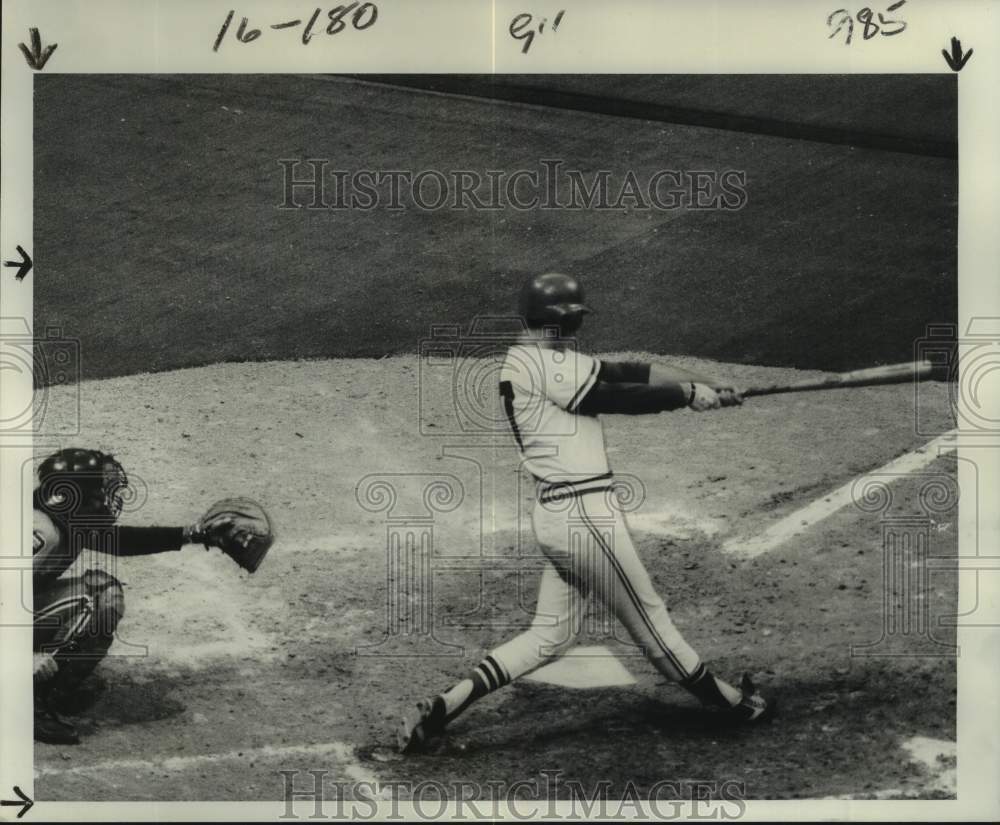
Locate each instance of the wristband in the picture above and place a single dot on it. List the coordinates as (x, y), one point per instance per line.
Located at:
(693, 393)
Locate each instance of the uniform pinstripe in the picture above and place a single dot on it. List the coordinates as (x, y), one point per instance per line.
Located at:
(565, 453)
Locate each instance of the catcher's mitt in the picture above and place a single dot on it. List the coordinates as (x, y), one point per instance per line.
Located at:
(239, 527)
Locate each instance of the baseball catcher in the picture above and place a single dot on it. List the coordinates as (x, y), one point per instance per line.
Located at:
(77, 502)
(553, 397)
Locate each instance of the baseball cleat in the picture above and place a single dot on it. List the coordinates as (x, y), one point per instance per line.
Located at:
(752, 707)
(420, 725)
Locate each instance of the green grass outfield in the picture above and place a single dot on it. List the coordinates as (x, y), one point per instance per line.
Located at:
(159, 244)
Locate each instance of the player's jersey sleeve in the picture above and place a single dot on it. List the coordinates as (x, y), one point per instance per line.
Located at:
(568, 377)
(541, 390)
(539, 374)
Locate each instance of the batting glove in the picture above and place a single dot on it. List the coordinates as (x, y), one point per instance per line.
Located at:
(703, 398)
(730, 397)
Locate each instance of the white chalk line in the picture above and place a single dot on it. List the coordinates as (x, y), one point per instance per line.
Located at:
(816, 511)
(342, 752)
(936, 757)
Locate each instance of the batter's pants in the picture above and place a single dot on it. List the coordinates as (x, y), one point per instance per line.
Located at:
(586, 541)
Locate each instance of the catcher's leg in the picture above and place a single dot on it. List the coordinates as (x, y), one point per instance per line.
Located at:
(81, 650)
(75, 621)
(61, 611)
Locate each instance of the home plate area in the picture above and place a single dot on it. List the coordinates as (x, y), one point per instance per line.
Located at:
(248, 675)
(585, 667)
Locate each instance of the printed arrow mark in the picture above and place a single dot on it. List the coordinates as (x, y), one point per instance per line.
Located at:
(25, 802)
(956, 59)
(36, 56)
(23, 266)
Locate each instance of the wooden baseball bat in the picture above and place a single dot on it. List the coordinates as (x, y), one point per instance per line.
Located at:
(888, 374)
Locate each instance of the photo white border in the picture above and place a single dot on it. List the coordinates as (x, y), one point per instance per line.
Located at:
(470, 36)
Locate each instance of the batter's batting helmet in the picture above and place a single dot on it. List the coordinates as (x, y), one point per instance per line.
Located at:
(82, 481)
(551, 298)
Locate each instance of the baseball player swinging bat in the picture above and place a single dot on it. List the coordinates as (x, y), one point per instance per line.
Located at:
(554, 397)
(887, 374)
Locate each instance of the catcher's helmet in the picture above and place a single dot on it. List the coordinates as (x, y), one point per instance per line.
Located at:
(77, 481)
(552, 298)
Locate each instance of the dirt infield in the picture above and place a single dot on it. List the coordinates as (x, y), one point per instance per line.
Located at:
(220, 679)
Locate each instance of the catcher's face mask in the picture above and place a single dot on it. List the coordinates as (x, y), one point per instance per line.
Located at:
(84, 483)
(114, 484)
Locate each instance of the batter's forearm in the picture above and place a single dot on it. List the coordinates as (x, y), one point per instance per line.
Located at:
(666, 374)
(624, 372)
(657, 375)
(634, 399)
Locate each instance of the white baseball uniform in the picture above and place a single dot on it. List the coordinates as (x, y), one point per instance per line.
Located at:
(581, 531)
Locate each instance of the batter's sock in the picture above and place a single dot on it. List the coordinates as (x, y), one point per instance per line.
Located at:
(486, 677)
(710, 689)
